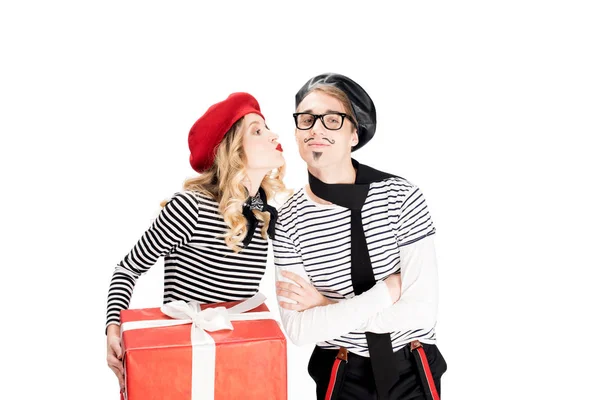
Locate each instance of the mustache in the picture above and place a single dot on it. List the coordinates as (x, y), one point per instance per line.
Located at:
(331, 141)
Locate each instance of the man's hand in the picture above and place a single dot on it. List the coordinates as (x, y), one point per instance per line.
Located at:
(302, 292)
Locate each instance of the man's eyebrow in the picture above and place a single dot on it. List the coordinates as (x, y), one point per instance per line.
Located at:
(328, 111)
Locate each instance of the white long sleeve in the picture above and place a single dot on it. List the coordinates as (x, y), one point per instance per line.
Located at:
(417, 307)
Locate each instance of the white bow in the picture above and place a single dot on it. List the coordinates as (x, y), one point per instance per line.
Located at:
(202, 321)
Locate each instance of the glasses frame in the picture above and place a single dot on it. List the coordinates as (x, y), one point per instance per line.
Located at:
(320, 116)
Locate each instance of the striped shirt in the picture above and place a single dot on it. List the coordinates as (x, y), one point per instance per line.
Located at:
(313, 240)
(199, 266)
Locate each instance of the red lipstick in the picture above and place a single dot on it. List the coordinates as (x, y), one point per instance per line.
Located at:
(279, 148)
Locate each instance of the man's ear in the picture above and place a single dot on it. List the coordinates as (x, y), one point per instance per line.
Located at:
(354, 138)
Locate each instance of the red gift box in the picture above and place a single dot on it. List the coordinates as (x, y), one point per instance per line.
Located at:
(168, 363)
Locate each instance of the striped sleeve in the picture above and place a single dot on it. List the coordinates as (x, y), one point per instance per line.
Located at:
(173, 227)
(414, 221)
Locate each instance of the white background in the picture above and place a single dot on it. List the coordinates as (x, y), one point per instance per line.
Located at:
(492, 108)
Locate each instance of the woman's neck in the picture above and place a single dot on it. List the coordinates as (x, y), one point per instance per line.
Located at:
(253, 180)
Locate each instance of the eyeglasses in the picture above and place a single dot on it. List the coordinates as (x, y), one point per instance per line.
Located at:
(331, 121)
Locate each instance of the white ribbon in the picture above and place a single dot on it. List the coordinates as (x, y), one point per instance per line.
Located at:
(203, 345)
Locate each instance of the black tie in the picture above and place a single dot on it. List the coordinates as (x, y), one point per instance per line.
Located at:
(353, 196)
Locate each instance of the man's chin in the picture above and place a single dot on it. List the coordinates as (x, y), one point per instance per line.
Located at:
(316, 159)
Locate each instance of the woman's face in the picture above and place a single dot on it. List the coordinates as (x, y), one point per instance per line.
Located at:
(261, 148)
(321, 147)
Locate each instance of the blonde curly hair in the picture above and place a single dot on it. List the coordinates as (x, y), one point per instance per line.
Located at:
(223, 183)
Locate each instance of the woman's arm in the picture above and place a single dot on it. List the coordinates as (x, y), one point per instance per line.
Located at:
(173, 227)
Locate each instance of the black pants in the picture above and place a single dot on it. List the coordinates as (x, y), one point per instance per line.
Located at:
(358, 382)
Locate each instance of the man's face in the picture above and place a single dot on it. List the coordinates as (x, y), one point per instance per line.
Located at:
(321, 147)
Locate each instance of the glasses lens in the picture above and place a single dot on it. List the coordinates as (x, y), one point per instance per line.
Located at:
(304, 121)
(333, 121)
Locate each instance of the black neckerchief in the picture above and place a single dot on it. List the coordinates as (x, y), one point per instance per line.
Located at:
(349, 195)
(353, 196)
(258, 202)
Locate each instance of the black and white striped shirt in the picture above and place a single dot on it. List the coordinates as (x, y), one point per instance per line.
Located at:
(313, 240)
(199, 266)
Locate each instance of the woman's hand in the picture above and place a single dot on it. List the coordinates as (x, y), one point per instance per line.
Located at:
(114, 353)
(303, 293)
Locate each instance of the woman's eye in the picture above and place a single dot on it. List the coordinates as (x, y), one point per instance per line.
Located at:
(257, 132)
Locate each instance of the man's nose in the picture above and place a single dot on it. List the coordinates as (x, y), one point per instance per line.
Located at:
(318, 128)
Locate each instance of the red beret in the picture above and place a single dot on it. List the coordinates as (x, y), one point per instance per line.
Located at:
(209, 129)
